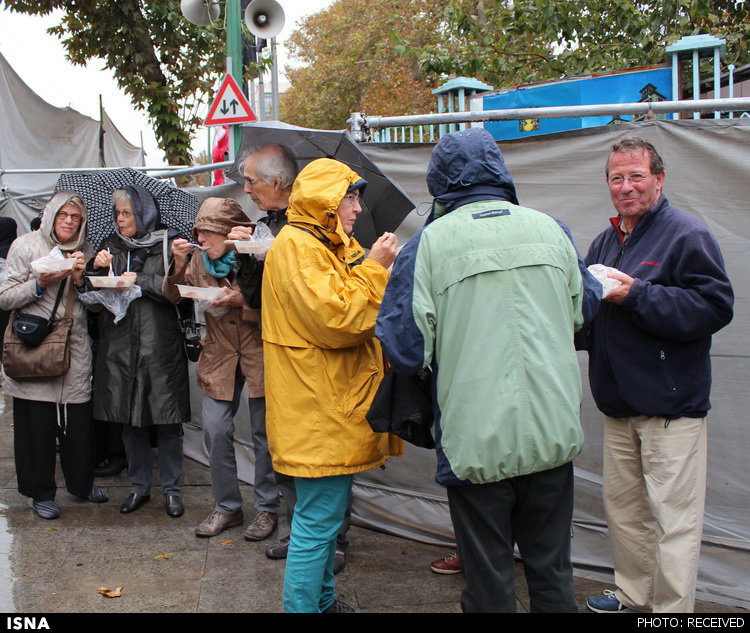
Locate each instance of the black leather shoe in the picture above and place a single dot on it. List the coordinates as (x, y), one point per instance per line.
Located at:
(110, 467)
(133, 502)
(174, 505)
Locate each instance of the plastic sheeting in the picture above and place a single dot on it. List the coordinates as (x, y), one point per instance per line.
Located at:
(708, 171)
(35, 134)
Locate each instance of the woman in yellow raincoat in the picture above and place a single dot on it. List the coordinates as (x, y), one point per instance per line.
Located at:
(322, 367)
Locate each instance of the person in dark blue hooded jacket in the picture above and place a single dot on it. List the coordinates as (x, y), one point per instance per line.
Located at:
(489, 294)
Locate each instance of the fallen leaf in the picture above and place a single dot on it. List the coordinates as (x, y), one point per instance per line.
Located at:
(164, 556)
(110, 593)
(226, 542)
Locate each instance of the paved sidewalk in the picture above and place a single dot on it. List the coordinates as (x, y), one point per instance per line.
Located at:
(59, 566)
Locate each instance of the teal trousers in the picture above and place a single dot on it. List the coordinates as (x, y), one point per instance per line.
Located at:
(318, 515)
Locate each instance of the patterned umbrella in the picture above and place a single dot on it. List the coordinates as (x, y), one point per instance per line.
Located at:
(178, 207)
(384, 203)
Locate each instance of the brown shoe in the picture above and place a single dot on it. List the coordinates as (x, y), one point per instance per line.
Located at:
(261, 527)
(216, 522)
(448, 565)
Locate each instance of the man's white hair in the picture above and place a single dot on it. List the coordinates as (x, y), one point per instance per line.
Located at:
(274, 161)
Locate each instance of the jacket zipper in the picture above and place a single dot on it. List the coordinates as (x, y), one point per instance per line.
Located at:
(665, 367)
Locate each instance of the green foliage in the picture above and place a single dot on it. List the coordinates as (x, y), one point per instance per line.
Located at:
(513, 42)
(167, 65)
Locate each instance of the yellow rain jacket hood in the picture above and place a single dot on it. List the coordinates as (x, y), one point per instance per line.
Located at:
(314, 200)
(322, 362)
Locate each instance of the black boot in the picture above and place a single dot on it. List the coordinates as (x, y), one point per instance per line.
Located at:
(110, 467)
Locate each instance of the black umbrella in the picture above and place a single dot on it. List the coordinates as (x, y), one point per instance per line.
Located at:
(384, 204)
(178, 207)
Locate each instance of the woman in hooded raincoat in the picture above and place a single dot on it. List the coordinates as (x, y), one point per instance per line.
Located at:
(141, 376)
(230, 359)
(323, 365)
(47, 411)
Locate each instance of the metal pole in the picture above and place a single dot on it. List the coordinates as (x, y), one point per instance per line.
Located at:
(610, 109)
(165, 172)
(717, 79)
(356, 126)
(83, 170)
(274, 81)
(731, 87)
(261, 113)
(696, 80)
(234, 62)
(675, 81)
(177, 173)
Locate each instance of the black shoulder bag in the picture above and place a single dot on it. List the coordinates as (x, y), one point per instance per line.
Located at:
(403, 406)
(32, 329)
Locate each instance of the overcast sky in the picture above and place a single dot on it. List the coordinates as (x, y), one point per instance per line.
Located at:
(39, 60)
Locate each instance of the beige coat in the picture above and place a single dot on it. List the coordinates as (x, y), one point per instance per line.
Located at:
(18, 292)
(232, 341)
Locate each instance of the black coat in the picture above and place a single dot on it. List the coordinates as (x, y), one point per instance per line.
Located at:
(140, 370)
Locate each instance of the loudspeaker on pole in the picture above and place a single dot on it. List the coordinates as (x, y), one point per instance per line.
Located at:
(200, 12)
(264, 18)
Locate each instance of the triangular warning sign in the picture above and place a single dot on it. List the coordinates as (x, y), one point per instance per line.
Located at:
(230, 106)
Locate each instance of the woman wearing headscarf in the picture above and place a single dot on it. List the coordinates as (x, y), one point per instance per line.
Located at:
(323, 365)
(141, 376)
(50, 411)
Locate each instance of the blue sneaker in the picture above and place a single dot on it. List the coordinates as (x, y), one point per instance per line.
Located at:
(606, 603)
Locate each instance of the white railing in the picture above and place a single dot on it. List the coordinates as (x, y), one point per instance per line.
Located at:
(167, 171)
(363, 127)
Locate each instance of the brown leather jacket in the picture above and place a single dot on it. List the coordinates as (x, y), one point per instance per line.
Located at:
(232, 342)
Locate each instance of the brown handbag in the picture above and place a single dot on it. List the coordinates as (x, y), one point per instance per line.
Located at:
(50, 359)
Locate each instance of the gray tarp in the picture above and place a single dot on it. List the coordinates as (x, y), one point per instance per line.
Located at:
(37, 135)
(708, 175)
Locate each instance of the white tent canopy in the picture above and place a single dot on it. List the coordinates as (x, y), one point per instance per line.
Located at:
(37, 135)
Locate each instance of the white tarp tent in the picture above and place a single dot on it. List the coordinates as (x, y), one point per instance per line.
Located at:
(708, 171)
(37, 135)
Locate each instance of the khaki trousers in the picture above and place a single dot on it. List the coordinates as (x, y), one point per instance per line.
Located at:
(654, 497)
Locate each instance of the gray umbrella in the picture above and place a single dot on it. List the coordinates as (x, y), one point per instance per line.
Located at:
(384, 204)
(177, 207)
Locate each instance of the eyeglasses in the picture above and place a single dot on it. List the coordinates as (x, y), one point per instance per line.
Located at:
(75, 218)
(352, 198)
(125, 214)
(635, 179)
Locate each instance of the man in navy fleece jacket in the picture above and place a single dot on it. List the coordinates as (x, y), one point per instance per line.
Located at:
(650, 374)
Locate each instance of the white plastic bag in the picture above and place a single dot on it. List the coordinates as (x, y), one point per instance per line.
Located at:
(215, 311)
(116, 301)
(54, 262)
(258, 244)
(601, 272)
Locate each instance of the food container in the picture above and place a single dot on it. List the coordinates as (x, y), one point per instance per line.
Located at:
(201, 294)
(118, 282)
(254, 247)
(52, 265)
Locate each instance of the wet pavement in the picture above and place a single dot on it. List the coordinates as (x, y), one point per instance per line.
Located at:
(159, 566)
